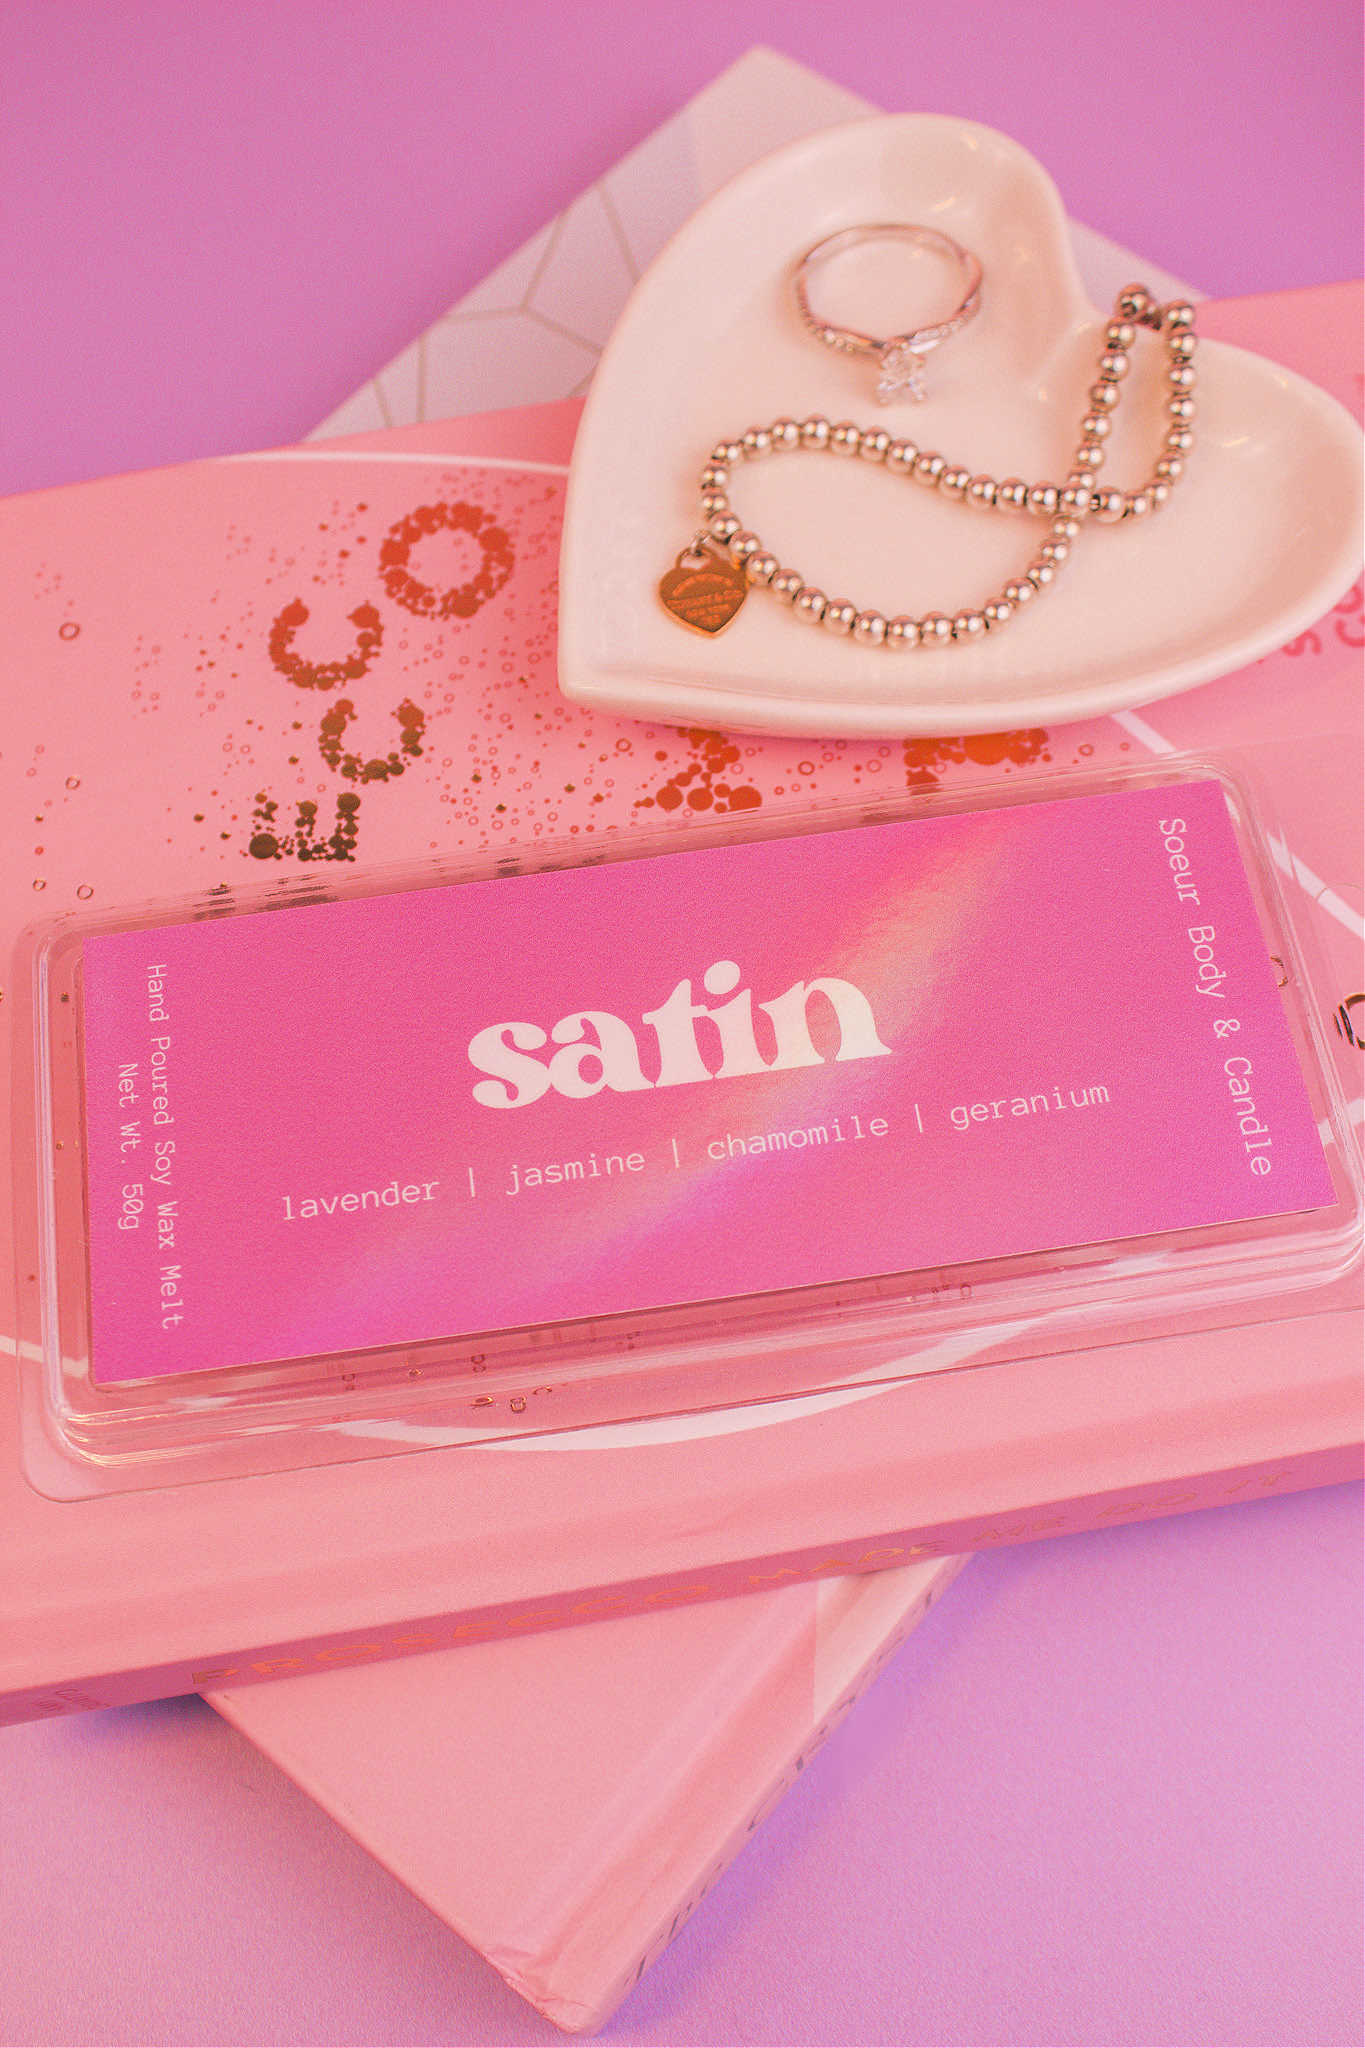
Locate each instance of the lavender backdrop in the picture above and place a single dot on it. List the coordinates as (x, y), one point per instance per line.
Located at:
(1110, 1792)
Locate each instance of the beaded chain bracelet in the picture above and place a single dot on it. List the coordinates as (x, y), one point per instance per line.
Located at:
(725, 560)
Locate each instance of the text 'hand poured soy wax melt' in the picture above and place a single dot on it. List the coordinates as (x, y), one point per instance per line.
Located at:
(627, 1123)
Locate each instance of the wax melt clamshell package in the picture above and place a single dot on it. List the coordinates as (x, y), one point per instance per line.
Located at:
(790, 1111)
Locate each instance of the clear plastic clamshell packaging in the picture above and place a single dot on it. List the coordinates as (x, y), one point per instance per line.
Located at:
(670, 1133)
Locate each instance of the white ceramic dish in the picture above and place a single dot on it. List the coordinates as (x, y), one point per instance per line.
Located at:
(1261, 536)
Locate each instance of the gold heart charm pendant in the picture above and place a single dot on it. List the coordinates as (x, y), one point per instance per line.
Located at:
(703, 591)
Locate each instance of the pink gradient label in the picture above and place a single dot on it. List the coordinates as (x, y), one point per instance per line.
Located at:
(719, 1072)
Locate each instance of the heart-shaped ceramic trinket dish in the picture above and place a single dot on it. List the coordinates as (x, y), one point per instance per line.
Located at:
(1261, 535)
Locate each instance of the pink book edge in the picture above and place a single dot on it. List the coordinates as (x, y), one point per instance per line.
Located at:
(577, 1965)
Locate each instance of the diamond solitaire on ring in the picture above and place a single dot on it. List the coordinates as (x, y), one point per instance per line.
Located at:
(899, 357)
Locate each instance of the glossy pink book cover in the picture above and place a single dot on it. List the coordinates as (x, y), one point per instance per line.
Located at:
(180, 726)
(715, 1073)
(647, 1751)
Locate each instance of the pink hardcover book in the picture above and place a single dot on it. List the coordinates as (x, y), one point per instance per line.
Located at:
(340, 670)
(647, 1752)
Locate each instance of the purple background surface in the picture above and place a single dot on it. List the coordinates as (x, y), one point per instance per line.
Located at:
(1110, 1792)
